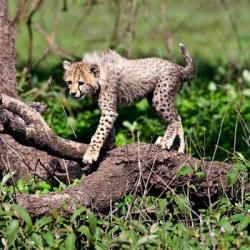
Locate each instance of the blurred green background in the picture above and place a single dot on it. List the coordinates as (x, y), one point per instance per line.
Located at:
(214, 106)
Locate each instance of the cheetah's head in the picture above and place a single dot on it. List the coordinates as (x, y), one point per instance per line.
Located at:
(81, 78)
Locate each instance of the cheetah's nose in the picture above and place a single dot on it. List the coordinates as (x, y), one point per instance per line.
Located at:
(73, 93)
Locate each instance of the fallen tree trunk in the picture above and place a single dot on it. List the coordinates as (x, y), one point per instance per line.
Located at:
(137, 168)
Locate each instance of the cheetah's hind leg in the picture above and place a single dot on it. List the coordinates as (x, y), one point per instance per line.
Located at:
(180, 133)
(168, 140)
(163, 103)
(110, 141)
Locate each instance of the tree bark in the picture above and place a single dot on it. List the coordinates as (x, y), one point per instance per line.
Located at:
(139, 169)
(29, 162)
(7, 52)
(23, 122)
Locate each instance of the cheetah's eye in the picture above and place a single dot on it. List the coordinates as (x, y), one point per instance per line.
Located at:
(69, 82)
(80, 83)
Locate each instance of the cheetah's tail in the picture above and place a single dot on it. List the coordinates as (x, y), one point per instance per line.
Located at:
(187, 71)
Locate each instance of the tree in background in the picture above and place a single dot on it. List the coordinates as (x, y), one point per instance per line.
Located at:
(7, 52)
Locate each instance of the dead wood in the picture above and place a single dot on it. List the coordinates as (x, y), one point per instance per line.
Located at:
(15, 157)
(23, 132)
(144, 168)
(28, 162)
(138, 168)
(28, 127)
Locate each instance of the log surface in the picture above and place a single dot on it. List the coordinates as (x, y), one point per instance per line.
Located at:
(138, 169)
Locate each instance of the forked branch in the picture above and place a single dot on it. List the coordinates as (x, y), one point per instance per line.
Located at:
(27, 126)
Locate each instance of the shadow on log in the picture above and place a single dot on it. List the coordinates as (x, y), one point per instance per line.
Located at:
(139, 168)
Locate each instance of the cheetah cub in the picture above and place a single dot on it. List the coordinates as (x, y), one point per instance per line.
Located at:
(113, 80)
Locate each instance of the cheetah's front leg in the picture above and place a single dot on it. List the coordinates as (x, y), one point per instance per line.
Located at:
(105, 125)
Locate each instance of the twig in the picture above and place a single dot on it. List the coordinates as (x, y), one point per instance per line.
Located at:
(20, 158)
(139, 181)
(238, 108)
(35, 8)
(22, 8)
(218, 139)
(67, 172)
(58, 98)
(7, 166)
(202, 234)
(54, 47)
(53, 33)
(65, 5)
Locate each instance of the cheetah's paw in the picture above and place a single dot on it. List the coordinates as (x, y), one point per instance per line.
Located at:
(164, 143)
(158, 141)
(90, 156)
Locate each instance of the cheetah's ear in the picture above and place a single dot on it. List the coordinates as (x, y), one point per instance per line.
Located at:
(94, 69)
(66, 64)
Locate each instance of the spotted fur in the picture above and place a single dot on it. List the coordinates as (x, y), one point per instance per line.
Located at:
(113, 80)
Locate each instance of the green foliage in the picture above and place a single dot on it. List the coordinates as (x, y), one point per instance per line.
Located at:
(214, 113)
(240, 170)
(185, 170)
(155, 223)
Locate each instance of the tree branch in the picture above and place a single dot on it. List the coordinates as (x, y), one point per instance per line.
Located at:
(34, 9)
(32, 130)
(54, 47)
